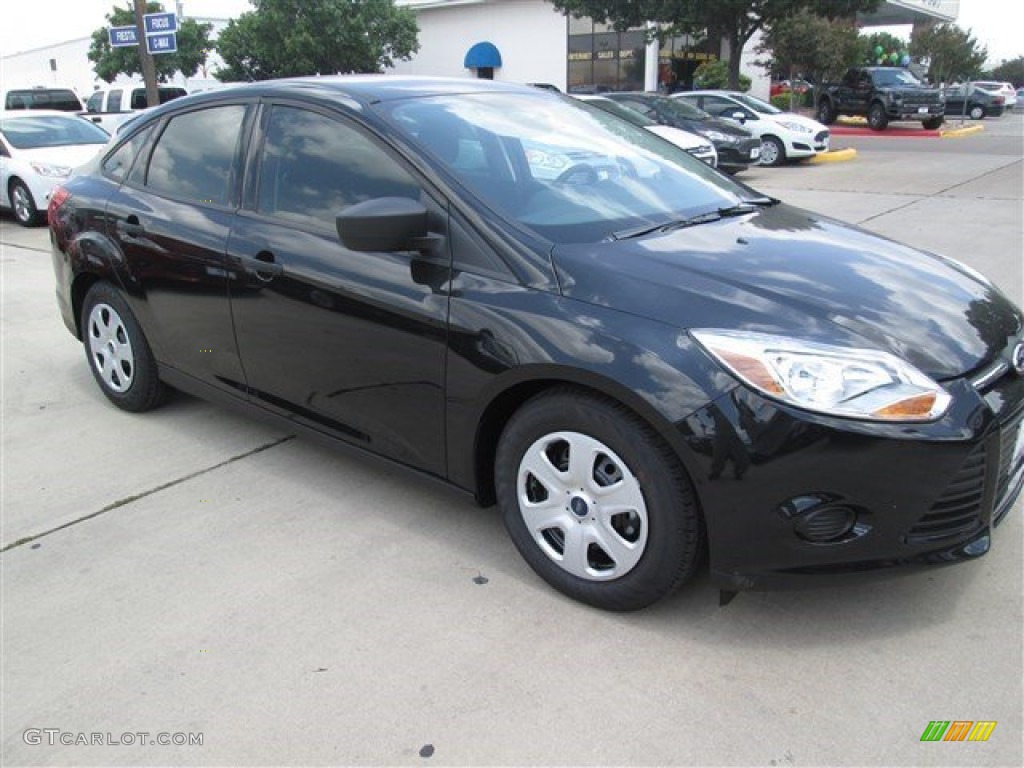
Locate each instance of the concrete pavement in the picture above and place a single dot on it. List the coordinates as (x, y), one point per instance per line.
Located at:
(295, 605)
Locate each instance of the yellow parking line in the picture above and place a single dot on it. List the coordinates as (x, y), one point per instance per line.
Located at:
(834, 156)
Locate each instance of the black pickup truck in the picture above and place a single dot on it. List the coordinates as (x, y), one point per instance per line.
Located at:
(882, 94)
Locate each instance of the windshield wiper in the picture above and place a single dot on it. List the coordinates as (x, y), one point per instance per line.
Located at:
(739, 209)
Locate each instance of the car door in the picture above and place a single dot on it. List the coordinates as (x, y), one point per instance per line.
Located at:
(5, 172)
(171, 218)
(350, 343)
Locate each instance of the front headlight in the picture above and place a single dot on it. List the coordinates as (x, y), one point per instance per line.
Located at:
(53, 171)
(795, 127)
(859, 383)
(718, 136)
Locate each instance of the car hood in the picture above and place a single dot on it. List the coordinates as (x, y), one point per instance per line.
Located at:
(71, 156)
(722, 126)
(787, 271)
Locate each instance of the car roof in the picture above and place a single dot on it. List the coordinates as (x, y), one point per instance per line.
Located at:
(16, 113)
(370, 89)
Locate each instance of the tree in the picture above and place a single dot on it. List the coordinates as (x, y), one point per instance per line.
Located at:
(715, 74)
(952, 53)
(810, 46)
(733, 20)
(1011, 71)
(193, 43)
(289, 38)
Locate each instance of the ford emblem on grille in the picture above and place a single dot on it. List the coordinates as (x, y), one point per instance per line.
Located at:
(1018, 358)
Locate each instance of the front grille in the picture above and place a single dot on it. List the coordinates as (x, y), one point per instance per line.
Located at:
(958, 510)
(1007, 473)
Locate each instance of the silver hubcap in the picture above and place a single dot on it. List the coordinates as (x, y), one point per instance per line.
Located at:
(769, 153)
(22, 203)
(582, 505)
(977, 113)
(110, 348)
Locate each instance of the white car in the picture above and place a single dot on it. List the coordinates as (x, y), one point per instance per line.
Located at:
(696, 145)
(39, 148)
(784, 135)
(1006, 90)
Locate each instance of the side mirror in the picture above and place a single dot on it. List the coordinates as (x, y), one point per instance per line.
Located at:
(741, 116)
(385, 224)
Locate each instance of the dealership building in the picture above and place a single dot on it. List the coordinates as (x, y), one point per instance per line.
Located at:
(523, 41)
(528, 41)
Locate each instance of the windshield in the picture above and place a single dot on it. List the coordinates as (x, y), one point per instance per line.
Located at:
(621, 112)
(569, 173)
(683, 109)
(36, 131)
(756, 104)
(895, 76)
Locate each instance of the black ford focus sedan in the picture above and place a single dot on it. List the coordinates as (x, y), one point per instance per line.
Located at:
(645, 364)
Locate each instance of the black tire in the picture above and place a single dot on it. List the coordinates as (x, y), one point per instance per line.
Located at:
(23, 204)
(976, 112)
(932, 123)
(117, 351)
(826, 112)
(877, 118)
(668, 530)
(775, 151)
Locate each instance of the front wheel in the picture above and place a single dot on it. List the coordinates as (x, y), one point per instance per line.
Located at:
(932, 123)
(594, 501)
(773, 151)
(826, 112)
(118, 353)
(23, 204)
(877, 118)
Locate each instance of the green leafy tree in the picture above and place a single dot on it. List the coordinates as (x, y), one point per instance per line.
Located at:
(734, 20)
(811, 46)
(1010, 71)
(715, 74)
(289, 38)
(952, 53)
(108, 63)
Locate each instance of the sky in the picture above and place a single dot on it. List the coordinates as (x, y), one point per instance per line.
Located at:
(997, 24)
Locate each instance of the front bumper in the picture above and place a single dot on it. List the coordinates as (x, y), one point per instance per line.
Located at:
(918, 495)
(915, 111)
(806, 144)
(739, 154)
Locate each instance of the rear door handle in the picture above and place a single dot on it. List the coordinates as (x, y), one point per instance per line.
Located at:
(262, 265)
(130, 227)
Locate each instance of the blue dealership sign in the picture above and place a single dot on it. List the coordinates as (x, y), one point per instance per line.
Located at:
(160, 23)
(162, 43)
(122, 37)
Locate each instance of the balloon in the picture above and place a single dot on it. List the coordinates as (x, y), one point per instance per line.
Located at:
(894, 57)
(879, 61)
(905, 61)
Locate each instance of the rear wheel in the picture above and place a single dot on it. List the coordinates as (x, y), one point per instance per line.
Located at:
(977, 112)
(118, 353)
(932, 123)
(594, 501)
(23, 204)
(773, 151)
(877, 119)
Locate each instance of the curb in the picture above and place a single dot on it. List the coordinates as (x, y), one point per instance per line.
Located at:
(853, 120)
(956, 133)
(834, 156)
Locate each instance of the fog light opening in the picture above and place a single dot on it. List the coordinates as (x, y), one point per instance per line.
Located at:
(825, 524)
